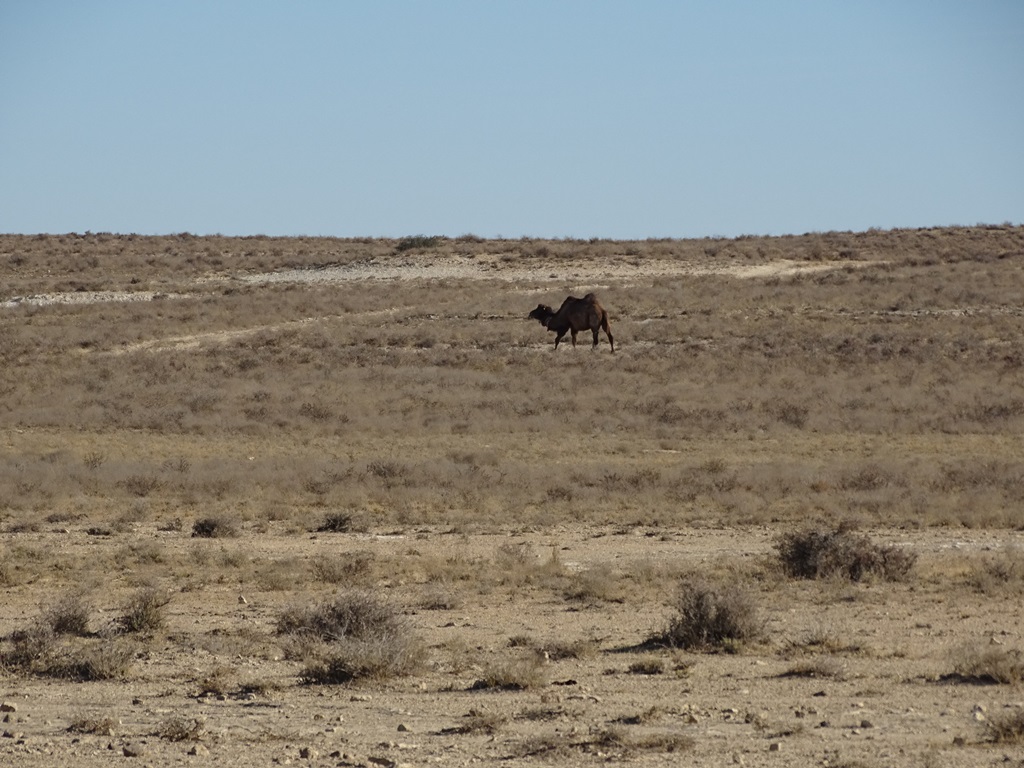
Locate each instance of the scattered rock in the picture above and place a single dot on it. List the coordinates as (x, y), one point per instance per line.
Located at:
(308, 753)
(402, 728)
(866, 724)
(775, 746)
(8, 706)
(133, 750)
(199, 749)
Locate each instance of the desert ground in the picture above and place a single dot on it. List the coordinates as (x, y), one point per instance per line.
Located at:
(208, 444)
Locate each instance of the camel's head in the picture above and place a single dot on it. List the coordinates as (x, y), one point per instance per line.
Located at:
(541, 314)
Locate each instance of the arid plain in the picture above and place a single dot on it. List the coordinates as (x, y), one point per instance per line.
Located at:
(206, 441)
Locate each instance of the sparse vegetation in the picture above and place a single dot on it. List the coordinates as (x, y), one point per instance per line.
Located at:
(417, 441)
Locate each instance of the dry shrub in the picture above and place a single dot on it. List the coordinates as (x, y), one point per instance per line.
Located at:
(709, 617)
(1000, 573)
(29, 647)
(988, 666)
(558, 650)
(647, 666)
(215, 528)
(477, 721)
(818, 554)
(513, 674)
(355, 637)
(608, 741)
(597, 583)
(144, 611)
(819, 668)
(97, 660)
(350, 568)
(336, 522)
(1006, 728)
(69, 615)
(182, 729)
(97, 726)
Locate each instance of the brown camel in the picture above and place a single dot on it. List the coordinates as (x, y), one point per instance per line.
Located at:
(573, 316)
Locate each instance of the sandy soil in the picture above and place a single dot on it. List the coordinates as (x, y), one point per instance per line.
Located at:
(880, 696)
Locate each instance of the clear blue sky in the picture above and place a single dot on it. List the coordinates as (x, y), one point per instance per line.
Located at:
(541, 118)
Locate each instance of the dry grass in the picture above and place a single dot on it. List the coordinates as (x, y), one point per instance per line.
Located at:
(914, 336)
(883, 388)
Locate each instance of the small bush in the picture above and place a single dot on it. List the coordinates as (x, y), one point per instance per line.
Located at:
(144, 611)
(96, 661)
(351, 568)
(182, 729)
(29, 647)
(1000, 573)
(214, 528)
(355, 637)
(69, 616)
(336, 522)
(710, 617)
(816, 554)
(516, 674)
(990, 666)
(378, 658)
(417, 241)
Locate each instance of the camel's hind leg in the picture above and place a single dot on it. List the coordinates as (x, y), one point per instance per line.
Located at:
(607, 331)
